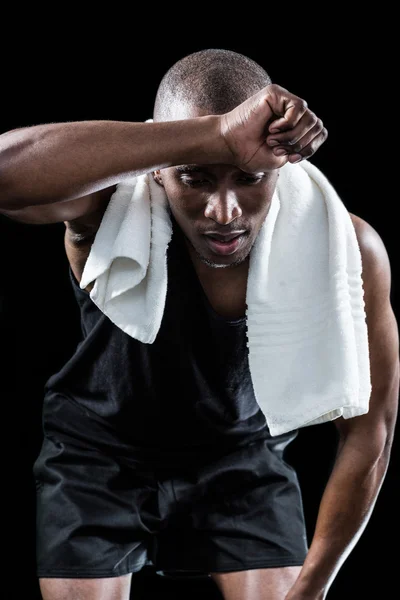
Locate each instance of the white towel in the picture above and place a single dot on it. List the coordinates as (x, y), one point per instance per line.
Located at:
(306, 323)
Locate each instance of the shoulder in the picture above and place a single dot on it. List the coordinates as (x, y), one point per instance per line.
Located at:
(383, 338)
(367, 236)
(376, 271)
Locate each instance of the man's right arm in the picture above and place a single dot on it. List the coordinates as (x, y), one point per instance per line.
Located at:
(61, 162)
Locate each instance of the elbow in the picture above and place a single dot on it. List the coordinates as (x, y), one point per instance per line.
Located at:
(391, 413)
(8, 201)
(369, 445)
(371, 435)
(389, 436)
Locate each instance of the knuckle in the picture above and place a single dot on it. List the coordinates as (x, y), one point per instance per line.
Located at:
(313, 118)
(302, 104)
(308, 151)
(292, 141)
(274, 89)
(296, 146)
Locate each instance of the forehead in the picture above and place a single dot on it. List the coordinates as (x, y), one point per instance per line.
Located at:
(178, 111)
(213, 170)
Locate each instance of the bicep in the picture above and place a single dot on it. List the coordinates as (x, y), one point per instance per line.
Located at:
(383, 341)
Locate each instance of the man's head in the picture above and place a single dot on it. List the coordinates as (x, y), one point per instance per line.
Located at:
(214, 199)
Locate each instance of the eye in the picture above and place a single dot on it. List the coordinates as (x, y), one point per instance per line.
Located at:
(193, 182)
(251, 179)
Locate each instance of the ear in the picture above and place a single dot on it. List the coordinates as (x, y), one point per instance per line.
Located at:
(157, 177)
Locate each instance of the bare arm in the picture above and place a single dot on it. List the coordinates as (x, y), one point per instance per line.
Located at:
(63, 161)
(365, 442)
(60, 162)
(346, 507)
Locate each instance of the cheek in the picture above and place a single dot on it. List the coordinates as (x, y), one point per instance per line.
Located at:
(255, 204)
(178, 205)
(182, 200)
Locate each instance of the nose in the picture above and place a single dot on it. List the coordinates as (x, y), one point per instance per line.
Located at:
(223, 207)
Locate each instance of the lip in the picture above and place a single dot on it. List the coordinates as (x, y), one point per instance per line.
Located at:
(225, 248)
(225, 237)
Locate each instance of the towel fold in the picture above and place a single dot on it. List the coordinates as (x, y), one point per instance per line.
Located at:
(306, 323)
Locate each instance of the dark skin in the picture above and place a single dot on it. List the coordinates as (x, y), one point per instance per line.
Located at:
(225, 198)
(219, 198)
(233, 190)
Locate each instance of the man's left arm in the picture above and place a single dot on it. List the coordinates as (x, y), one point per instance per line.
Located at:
(365, 442)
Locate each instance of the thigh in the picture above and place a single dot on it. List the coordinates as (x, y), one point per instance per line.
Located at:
(95, 515)
(257, 584)
(240, 512)
(113, 588)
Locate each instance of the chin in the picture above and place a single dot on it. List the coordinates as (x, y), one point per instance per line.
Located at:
(220, 262)
(209, 262)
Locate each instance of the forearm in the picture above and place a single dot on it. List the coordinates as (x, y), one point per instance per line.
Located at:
(63, 161)
(344, 511)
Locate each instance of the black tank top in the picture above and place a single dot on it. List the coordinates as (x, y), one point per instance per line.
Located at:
(190, 389)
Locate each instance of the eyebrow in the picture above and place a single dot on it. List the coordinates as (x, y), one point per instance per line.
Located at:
(190, 169)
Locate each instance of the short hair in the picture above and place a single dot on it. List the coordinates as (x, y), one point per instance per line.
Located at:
(213, 80)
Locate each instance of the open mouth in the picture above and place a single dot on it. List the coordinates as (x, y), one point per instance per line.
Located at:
(219, 246)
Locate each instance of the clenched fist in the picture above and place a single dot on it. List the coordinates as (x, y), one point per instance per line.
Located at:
(271, 128)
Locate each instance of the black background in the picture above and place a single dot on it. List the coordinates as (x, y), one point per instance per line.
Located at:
(66, 67)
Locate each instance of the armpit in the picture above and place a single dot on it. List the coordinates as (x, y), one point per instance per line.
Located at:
(82, 230)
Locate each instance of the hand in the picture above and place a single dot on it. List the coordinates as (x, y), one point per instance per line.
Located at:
(249, 130)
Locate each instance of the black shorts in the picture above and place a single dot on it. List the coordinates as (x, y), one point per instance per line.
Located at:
(103, 512)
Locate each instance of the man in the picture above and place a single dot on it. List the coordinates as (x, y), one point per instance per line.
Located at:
(158, 452)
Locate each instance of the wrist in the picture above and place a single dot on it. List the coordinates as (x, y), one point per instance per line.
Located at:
(205, 142)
